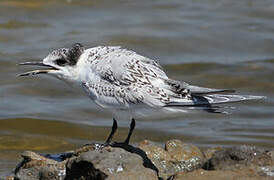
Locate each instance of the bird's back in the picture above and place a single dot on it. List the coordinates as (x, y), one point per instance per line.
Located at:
(126, 78)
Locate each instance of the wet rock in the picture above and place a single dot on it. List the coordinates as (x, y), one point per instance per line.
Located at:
(271, 154)
(208, 153)
(35, 166)
(176, 160)
(109, 162)
(89, 162)
(231, 158)
(181, 151)
(176, 157)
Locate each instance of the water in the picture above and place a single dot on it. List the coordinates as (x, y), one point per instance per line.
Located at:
(220, 44)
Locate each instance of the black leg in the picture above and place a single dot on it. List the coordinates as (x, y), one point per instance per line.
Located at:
(113, 130)
(132, 126)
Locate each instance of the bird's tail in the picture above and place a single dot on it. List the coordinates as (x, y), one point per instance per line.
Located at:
(197, 97)
(211, 99)
(212, 103)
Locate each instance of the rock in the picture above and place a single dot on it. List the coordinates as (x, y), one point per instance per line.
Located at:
(176, 157)
(246, 161)
(150, 160)
(271, 154)
(109, 163)
(89, 162)
(35, 166)
(266, 171)
(182, 152)
(208, 153)
(231, 158)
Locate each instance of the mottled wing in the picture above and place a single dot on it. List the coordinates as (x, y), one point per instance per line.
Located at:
(133, 78)
(122, 66)
(180, 86)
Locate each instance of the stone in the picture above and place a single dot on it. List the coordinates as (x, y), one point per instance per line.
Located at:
(35, 166)
(231, 158)
(208, 153)
(180, 151)
(119, 161)
(271, 154)
(266, 171)
(93, 161)
(109, 163)
(176, 157)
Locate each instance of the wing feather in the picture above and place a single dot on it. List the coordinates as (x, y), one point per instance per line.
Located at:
(214, 99)
(132, 76)
(122, 77)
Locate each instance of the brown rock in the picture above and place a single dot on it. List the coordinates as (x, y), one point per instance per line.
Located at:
(35, 166)
(181, 151)
(208, 153)
(271, 154)
(120, 161)
(176, 157)
(232, 158)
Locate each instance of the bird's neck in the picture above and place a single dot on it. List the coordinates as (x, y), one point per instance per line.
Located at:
(82, 72)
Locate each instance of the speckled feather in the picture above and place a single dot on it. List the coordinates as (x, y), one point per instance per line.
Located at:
(123, 77)
(120, 78)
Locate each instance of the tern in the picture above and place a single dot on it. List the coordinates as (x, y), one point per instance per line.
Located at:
(120, 79)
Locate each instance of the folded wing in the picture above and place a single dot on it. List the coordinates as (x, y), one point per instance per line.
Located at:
(201, 96)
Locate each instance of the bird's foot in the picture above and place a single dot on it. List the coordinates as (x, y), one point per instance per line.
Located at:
(126, 142)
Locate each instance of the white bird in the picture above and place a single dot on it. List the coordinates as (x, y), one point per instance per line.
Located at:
(120, 79)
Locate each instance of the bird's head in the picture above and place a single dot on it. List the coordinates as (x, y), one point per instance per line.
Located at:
(59, 63)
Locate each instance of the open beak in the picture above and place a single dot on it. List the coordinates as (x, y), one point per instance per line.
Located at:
(35, 72)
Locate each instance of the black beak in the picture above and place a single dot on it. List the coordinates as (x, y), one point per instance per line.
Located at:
(36, 63)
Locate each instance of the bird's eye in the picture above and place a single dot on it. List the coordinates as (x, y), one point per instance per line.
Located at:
(61, 62)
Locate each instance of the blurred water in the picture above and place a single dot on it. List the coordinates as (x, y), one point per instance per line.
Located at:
(220, 44)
